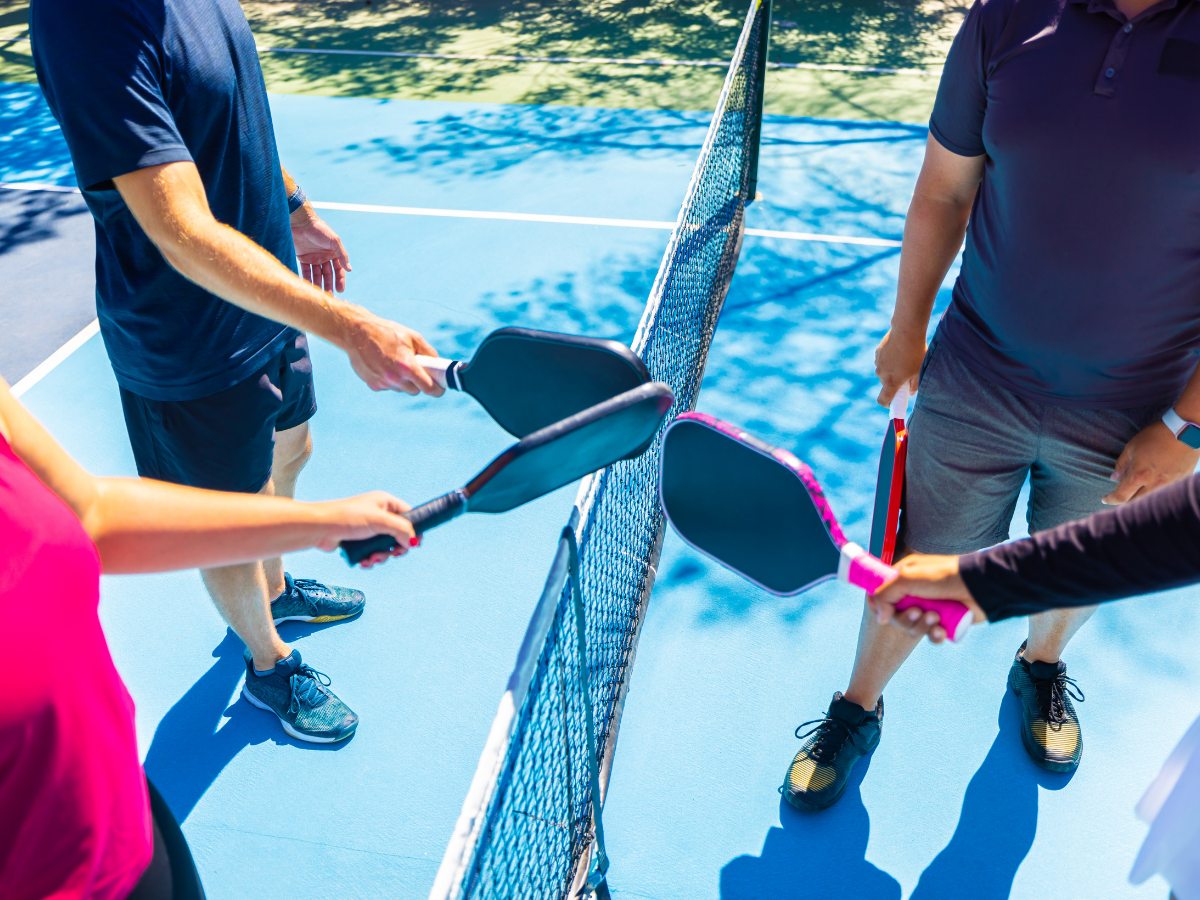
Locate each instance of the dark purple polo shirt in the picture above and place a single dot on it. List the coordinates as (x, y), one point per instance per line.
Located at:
(1080, 283)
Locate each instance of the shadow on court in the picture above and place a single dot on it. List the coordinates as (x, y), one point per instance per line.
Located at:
(191, 746)
(31, 144)
(813, 855)
(823, 854)
(998, 822)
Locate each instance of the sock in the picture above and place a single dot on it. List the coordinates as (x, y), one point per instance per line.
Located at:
(270, 671)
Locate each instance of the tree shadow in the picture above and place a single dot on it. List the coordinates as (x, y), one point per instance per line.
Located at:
(881, 33)
(28, 217)
(998, 821)
(813, 855)
(209, 725)
(32, 147)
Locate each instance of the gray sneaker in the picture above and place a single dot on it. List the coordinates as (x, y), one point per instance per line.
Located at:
(305, 600)
(299, 695)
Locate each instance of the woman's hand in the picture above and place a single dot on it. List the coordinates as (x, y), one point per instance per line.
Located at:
(364, 516)
(932, 577)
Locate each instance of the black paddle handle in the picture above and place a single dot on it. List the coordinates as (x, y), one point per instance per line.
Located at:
(426, 516)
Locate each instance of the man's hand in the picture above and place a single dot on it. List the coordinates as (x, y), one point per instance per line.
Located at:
(364, 516)
(382, 352)
(1152, 458)
(932, 577)
(323, 260)
(898, 360)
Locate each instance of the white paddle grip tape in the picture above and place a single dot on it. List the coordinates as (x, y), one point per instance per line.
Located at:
(899, 407)
(436, 366)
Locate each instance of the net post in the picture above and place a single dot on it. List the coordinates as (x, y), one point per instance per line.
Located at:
(760, 89)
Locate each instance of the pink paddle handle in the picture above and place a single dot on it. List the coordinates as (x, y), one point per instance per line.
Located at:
(861, 569)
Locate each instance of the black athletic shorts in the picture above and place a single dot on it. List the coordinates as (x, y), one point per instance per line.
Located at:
(223, 442)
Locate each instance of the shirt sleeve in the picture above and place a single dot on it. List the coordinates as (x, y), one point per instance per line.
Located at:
(958, 111)
(1151, 544)
(102, 68)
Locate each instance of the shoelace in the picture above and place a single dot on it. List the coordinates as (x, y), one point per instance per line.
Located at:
(308, 689)
(1052, 694)
(831, 734)
(301, 585)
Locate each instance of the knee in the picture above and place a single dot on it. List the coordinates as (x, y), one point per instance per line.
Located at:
(291, 457)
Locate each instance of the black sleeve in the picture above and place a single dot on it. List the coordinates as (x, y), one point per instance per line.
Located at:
(1151, 544)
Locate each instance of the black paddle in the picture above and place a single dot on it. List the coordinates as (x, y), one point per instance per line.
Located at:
(528, 379)
(759, 511)
(620, 428)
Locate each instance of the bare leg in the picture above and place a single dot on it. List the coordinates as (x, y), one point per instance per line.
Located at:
(882, 650)
(1050, 631)
(243, 593)
(292, 450)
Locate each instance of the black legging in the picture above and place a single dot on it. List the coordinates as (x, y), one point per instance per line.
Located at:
(171, 874)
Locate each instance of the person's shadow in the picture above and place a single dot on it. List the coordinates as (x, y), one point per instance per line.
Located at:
(189, 752)
(998, 820)
(813, 855)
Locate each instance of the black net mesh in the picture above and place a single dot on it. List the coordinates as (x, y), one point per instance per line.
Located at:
(538, 824)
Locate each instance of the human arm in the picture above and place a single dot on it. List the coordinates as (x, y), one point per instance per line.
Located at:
(170, 205)
(933, 233)
(1154, 456)
(1151, 544)
(140, 525)
(323, 260)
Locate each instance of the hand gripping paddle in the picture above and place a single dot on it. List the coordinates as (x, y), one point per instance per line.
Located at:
(889, 485)
(620, 428)
(760, 512)
(529, 379)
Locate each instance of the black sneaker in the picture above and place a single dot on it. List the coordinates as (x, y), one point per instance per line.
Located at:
(299, 695)
(1049, 725)
(820, 772)
(305, 600)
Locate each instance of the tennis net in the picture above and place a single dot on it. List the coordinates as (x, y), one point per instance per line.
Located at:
(529, 825)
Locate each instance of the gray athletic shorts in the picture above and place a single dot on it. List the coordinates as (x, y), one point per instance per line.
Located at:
(971, 444)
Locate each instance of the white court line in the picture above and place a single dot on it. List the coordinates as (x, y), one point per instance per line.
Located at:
(597, 60)
(80, 339)
(522, 217)
(36, 186)
(591, 220)
(55, 358)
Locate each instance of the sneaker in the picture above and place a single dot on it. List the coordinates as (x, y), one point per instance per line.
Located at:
(305, 600)
(299, 695)
(1049, 725)
(821, 770)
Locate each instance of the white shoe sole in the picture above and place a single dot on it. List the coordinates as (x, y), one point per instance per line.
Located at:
(298, 735)
(317, 619)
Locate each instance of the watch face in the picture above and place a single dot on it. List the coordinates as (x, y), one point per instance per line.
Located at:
(1190, 436)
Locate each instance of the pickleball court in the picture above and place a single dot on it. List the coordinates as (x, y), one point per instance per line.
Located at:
(463, 211)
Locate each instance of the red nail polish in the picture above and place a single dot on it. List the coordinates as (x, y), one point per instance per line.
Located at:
(415, 542)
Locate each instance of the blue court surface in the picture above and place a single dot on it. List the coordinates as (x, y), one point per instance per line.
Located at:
(948, 807)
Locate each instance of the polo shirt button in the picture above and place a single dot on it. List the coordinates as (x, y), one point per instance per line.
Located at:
(1109, 73)
(1128, 27)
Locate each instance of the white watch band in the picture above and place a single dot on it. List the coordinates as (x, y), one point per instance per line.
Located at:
(1174, 421)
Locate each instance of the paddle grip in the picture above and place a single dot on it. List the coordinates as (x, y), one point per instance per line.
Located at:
(437, 367)
(899, 405)
(861, 569)
(426, 516)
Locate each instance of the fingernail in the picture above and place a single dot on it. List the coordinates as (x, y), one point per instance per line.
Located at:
(415, 542)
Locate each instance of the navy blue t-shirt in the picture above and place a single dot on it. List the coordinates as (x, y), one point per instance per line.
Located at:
(1080, 282)
(138, 83)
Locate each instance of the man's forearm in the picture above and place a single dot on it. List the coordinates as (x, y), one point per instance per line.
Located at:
(170, 205)
(933, 234)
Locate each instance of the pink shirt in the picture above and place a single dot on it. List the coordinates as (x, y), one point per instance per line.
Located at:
(74, 812)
